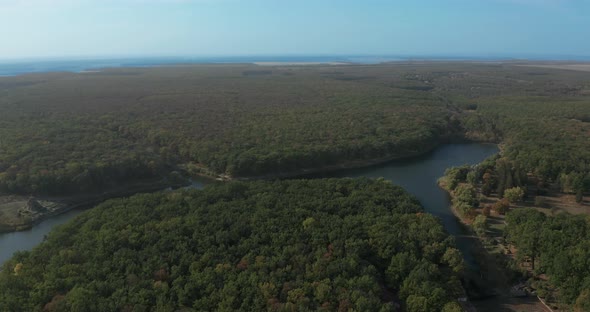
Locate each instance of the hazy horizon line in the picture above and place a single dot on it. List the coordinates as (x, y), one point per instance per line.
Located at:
(491, 56)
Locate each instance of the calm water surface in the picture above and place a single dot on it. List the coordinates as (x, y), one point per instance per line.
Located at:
(418, 176)
(26, 240)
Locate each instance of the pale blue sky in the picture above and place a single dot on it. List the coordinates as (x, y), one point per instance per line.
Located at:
(107, 28)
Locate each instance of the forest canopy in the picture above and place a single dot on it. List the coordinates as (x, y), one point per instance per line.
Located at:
(64, 133)
(329, 244)
(558, 246)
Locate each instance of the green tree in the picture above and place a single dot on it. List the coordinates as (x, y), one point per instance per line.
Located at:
(525, 228)
(452, 307)
(80, 299)
(241, 246)
(480, 225)
(466, 193)
(454, 259)
(456, 175)
(418, 304)
(583, 301)
(514, 194)
(502, 206)
(472, 177)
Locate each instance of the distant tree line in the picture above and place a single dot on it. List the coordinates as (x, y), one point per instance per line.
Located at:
(66, 133)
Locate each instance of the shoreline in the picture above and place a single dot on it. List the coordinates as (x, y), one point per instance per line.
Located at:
(497, 291)
(89, 200)
(351, 164)
(460, 218)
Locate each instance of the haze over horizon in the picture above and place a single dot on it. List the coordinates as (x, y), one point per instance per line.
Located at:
(154, 28)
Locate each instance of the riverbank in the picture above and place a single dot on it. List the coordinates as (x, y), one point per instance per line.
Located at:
(493, 281)
(345, 165)
(417, 175)
(21, 213)
(24, 213)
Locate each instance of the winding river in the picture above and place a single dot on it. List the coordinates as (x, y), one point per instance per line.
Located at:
(417, 175)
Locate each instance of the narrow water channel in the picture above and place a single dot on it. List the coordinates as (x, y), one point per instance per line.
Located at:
(26, 240)
(417, 175)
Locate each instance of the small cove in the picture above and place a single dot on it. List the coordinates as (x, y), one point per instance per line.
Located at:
(27, 240)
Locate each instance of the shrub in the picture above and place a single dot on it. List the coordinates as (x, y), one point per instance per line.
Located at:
(502, 206)
(514, 194)
(467, 194)
(456, 175)
(486, 189)
(480, 225)
(464, 210)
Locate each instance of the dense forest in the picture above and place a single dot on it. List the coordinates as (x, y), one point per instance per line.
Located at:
(62, 133)
(68, 132)
(558, 246)
(328, 244)
(546, 243)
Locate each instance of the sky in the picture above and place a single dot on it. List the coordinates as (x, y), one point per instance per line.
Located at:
(122, 28)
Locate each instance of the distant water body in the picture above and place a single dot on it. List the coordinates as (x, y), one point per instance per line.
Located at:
(12, 68)
(19, 67)
(417, 176)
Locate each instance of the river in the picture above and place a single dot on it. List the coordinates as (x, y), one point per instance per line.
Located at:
(417, 175)
(26, 240)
